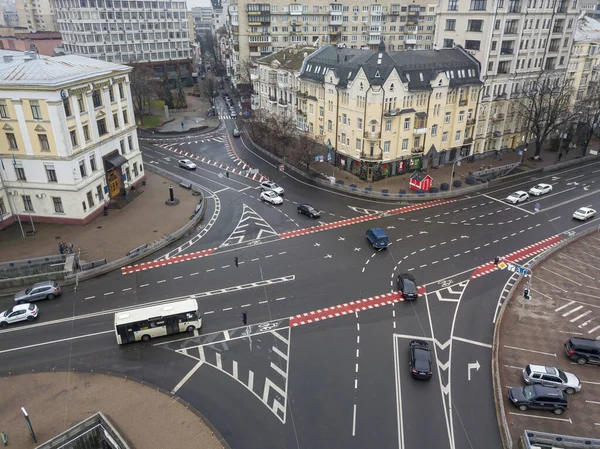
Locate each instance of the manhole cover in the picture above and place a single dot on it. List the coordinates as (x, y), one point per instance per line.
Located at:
(155, 230)
(98, 227)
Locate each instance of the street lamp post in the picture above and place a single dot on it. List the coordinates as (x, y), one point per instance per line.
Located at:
(453, 169)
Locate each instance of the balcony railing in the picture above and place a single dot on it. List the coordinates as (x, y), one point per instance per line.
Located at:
(372, 135)
(463, 102)
(507, 51)
(272, 99)
(283, 103)
(377, 155)
(557, 29)
(468, 140)
(416, 150)
(471, 121)
(301, 112)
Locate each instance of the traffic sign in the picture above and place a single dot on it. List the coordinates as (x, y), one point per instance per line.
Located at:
(521, 270)
(502, 265)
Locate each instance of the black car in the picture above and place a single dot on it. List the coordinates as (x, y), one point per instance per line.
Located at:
(309, 211)
(583, 350)
(407, 286)
(420, 359)
(538, 397)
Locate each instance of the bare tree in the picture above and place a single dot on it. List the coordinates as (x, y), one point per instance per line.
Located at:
(545, 105)
(144, 85)
(244, 84)
(305, 149)
(588, 116)
(209, 87)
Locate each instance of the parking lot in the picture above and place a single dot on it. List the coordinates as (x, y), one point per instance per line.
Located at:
(565, 302)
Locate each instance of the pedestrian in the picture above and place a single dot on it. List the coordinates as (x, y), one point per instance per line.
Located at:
(495, 154)
(567, 150)
(559, 156)
(500, 154)
(181, 125)
(61, 248)
(70, 248)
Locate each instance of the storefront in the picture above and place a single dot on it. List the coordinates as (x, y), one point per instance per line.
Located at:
(374, 171)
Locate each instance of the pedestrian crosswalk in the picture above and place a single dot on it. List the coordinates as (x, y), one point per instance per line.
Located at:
(190, 142)
(226, 117)
(581, 316)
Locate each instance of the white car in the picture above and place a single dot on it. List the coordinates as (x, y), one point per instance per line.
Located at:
(271, 186)
(517, 197)
(20, 312)
(584, 213)
(187, 164)
(540, 189)
(270, 197)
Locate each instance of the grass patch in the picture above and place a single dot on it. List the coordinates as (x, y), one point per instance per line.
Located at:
(157, 103)
(150, 121)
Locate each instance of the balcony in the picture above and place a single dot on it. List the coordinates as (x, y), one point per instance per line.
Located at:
(417, 150)
(283, 84)
(296, 12)
(283, 103)
(420, 130)
(507, 51)
(377, 155)
(463, 102)
(272, 100)
(301, 113)
(496, 134)
(410, 41)
(498, 116)
(468, 140)
(254, 76)
(471, 121)
(372, 135)
(374, 40)
(336, 20)
(558, 29)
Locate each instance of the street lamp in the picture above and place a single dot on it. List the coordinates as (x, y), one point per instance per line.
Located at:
(453, 168)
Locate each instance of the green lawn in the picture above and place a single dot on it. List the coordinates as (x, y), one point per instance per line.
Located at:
(150, 121)
(157, 103)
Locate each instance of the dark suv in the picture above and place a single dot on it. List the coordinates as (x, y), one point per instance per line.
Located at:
(583, 350)
(538, 397)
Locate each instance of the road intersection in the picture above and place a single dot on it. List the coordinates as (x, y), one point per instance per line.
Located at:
(323, 361)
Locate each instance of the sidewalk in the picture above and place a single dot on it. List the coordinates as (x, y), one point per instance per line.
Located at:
(190, 120)
(146, 219)
(145, 417)
(443, 174)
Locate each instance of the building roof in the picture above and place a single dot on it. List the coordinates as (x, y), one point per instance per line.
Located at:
(29, 69)
(289, 58)
(417, 68)
(588, 30)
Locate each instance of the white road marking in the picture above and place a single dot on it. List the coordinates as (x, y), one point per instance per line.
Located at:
(572, 311)
(555, 218)
(580, 316)
(56, 341)
(187, 377)
(472, 342)
(564, 306)
(529, 350)
(541, 417)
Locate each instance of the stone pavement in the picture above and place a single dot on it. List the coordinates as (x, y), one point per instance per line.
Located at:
(185, 121)
(443, 174)
(146, 219)
(565, 303)
(145, 417)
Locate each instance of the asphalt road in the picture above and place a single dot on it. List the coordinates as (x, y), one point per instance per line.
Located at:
(341, 382)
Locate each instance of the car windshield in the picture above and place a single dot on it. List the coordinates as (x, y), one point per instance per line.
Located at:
(562, 375)
(539, 187)
(421, 359)
(272, 194)
(27, 291)
(528, 392)
(409, 286)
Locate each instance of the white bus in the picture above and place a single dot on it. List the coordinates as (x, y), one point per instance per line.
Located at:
(155, 321)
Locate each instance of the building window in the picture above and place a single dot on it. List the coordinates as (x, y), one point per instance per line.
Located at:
(58, 205)
(84, 206)
(475, 25)
(73, 135)
(3, 110)
(329, 125)
(406, 124)
(126, 119)
(461, 116)
(93, 162)
(111, 94)
(90, 199)
(97, 98)
(82, 169)
(20, 174)
(447, 117)
(51, 173)
(358, 145)
(122, 146)
(101, 126)
(99, 192)
(472, 45)
(386, 146)
(67, 107)
(130, 143)
(405, 144)
(44, 144)
(12, 141)
(2, 207)
(135, 169)
(116, 120)
(452, 5)
(457, 136)
(86, 133)
(448, 43)
(27, 204)
(81, 103)
(36, 112)
(359, 123)
(445, 136)
(388, 125)
(450, 24)
(478, 5)
(434, 130)
(121, 93)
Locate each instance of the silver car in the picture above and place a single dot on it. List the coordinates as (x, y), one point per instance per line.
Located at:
(41, 290)
(550, 376)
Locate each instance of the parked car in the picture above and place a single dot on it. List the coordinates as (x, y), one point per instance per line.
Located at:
(407, 285)
(271, 186)
(236, 132)
(420, 359)
(584, 213)
(538, 397)
(517, 197)
(187, 164)
(583, 350)
(270, 197)
(550, 376)
(20, 312)
(540, 189)
(41, 290)
(377, 237)
(309, 211)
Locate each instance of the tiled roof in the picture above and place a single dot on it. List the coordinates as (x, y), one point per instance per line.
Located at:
(415, 67)
(288, 58)
(29, 69)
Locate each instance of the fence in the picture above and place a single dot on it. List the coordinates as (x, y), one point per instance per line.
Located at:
(33, 266)
(143, 251)
(531, 438)
(499, 393)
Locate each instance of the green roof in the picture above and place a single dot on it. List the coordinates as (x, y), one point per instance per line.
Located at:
(290, 58)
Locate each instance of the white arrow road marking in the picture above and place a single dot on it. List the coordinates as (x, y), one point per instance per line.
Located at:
(356, 249)
(443, 346)
(328, 256)
(317, 244)
(471, 366)
(341, 239)
(443, 366)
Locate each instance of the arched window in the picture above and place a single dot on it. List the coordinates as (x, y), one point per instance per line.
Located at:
(373, 126)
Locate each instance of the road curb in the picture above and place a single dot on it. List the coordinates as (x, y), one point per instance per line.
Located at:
(507, 442)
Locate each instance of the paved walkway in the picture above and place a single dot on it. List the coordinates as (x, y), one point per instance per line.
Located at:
(145, 418)
(564, 303)
(185, 121)
(146, 219)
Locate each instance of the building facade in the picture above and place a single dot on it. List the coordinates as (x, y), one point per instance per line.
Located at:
(37, 15)
(384, 113)
(515, 41)
(69, 141)
(129, 32)
(203, 21)
(258, 29)
(44, 43)
(584, 66)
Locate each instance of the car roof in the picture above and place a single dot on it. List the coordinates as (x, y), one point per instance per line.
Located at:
(585, 209)
(588, 342)
(419, 344)
(406, 276)
(543, 369)
(542, 184)
(540, 389)
(519, 192)
(184, 160)
(306, 205)
(378, 232)
(23, 306)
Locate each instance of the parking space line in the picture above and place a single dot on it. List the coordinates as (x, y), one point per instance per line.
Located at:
(585, 294)
(594, 329)
(560, 275)
(529, 350)
(564, 306)
(550, 283)
(581, 316)
(572, 311)
(541, 417)
(589, 382)
(592, 402)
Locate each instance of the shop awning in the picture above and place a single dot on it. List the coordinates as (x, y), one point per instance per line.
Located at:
(116, 160)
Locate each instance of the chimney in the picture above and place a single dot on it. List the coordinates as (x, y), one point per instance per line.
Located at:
(8, 58)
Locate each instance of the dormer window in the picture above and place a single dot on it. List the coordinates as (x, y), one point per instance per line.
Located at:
(392, 87)
(361, 86)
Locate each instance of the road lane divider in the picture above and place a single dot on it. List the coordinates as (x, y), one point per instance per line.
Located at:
(164, 262)
(518, 255)
(349, 308)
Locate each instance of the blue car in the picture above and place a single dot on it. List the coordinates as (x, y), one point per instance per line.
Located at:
(377, 237)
